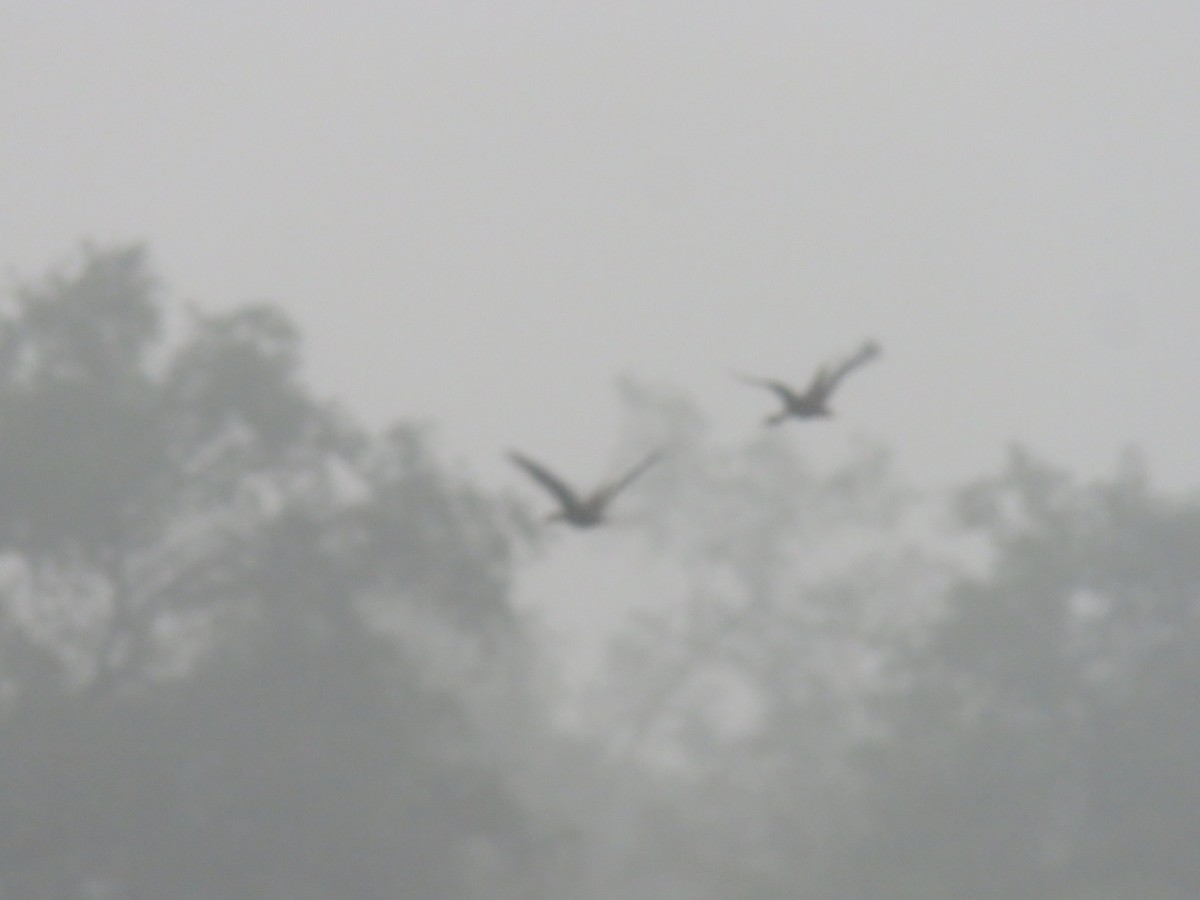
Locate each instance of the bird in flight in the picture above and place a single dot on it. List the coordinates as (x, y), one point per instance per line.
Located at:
(812, 403)
(580, 510)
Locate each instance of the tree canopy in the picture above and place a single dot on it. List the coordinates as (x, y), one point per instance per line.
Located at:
(252, 648)
(201, 698)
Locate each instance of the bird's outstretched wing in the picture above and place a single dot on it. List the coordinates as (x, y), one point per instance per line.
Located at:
(611, 490)
(784, 391)
(547, 479)
(827, 379)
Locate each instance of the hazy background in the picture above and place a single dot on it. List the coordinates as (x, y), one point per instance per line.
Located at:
(482, 213)
(251, 646)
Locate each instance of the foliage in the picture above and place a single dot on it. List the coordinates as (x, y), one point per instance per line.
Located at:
(250, 649)
(746, 687)
(201, 696)
(1048, 744)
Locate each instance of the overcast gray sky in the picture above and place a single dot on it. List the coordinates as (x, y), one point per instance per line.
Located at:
(482, 213)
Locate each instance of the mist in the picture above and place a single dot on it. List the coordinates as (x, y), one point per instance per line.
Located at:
(652, 451)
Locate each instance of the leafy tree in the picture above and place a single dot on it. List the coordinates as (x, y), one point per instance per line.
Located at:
(214, 585)
(732, 706)
(1047, 743)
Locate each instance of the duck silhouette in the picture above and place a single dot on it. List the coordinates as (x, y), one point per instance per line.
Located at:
(813, 402)
(580, 510)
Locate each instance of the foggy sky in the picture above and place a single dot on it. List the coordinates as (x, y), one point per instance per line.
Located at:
(481, 214)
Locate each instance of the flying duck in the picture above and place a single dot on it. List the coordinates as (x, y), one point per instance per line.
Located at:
(582, 511)
(812, 403)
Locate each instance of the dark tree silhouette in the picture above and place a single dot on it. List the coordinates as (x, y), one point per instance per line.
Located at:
(211, 680)
(1047, 742)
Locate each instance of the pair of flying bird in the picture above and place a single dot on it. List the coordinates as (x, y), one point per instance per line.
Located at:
(586, 510)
